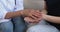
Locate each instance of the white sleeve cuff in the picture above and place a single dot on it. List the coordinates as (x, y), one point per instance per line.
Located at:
(4, 14)
(4, 20)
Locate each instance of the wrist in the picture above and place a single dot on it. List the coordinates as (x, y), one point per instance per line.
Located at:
(44, 16)
(19, 12)
(22, 13)
(47, 17)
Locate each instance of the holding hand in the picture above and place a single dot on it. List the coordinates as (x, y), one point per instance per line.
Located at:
(31, 13)
(35, 18)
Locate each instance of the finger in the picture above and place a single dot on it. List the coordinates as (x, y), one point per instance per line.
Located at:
(34, 22)
(36, 14)
(31, 20)
(39, 19)
(28, 19)
(33, 17)
(38, 11)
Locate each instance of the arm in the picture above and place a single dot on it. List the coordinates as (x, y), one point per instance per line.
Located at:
(49, 18)
(12, 14)
(53, 19)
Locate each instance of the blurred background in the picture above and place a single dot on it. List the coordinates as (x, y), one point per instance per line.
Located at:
(34, 4)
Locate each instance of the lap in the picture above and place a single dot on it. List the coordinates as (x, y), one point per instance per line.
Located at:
(42, 28)
(18, 21)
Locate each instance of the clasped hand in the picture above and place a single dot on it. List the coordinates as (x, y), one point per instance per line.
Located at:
(32, 16)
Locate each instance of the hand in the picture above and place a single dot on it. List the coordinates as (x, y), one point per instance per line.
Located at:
(30, 20)
(31, 13)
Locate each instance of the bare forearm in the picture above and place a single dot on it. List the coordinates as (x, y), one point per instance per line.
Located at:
(12, 14)
(52, 19)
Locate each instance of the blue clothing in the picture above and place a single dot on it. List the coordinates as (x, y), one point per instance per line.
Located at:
(17, 24)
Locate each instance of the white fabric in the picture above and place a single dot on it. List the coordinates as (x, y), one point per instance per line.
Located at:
(9, 6)
(42, 28)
